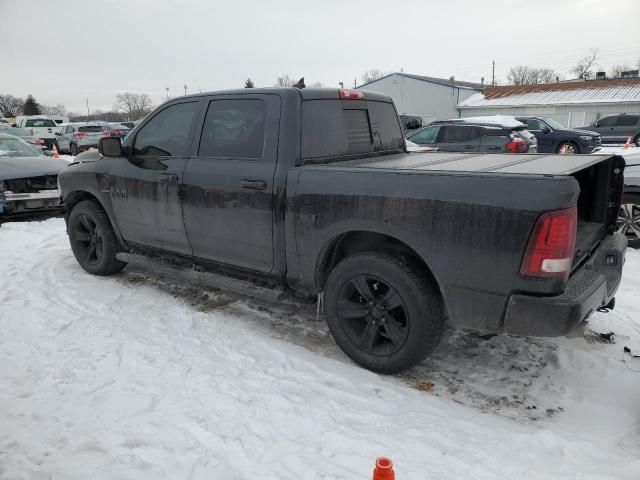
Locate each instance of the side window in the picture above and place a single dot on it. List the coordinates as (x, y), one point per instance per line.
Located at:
(233, 129)
(533, 124)
(627, 120)
(607, 122)
(459, 134)
(426, 136)
(168, 134)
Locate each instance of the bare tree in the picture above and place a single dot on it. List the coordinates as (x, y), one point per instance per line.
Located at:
(616, 70)
(525, 75)
(135, 105)
(371, 75)
(10, 106)
(583, 68)
(55, 110)
(285, 81)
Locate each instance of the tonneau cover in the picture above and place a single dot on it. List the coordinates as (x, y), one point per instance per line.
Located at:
(522, 164)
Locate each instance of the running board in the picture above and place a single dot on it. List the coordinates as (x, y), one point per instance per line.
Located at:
(209, 279)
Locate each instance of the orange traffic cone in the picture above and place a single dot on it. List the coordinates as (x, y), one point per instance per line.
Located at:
(55, 151)
(627, 144)
(384, 469)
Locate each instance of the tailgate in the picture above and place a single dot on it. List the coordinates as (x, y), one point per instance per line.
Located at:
(601, 186)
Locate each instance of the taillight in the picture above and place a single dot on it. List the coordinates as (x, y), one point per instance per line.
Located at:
(351, 94)
(80, 134)
(552, 245)
(517, 145)
(105, 133)
(37, 141)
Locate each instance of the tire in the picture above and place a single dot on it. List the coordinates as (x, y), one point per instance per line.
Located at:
(359, 295)
(93, 242)
(629, 218)
(74, 150)
(637, 140)
(572, 148)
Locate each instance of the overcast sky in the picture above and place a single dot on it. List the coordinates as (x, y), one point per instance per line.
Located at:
(63, 51)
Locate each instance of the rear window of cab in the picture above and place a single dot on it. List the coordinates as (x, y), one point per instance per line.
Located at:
(335, 128)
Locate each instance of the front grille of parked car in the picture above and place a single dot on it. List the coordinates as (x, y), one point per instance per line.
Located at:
(32, 184)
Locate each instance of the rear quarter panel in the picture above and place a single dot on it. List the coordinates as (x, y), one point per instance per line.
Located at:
(470, 229)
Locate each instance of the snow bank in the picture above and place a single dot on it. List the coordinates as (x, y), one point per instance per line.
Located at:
(131, 377)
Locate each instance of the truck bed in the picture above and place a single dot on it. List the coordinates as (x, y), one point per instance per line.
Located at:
(523, 164)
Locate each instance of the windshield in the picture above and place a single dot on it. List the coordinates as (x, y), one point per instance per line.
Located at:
(14, 147)
(553, 124)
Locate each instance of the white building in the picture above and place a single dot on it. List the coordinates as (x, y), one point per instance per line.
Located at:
(571, 103)
(428, 97)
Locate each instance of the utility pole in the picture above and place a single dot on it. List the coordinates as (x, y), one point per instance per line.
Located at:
(355, 82)
(493, 73)
(87, 119)
(167, 89)
(185, 89)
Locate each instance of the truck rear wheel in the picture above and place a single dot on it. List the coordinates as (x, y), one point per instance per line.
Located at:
(93, 242)
(384, 315)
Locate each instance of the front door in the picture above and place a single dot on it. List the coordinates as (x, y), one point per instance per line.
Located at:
(228, 197)
(607, 129)
(145, 187)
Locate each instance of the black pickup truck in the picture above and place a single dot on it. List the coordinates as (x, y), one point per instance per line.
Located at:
(313, 190)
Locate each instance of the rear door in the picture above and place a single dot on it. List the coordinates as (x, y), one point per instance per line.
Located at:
(228, 186)
(459, 138)
(145, 186)
(627, 126)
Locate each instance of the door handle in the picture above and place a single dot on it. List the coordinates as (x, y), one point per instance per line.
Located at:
(168, 178)
(254, 184)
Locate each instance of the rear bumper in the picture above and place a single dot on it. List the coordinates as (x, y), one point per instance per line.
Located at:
(588, 289)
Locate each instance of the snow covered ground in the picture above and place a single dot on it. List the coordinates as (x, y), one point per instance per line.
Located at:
(137, 377)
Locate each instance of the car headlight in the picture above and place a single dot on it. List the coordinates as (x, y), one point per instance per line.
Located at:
(586, 138)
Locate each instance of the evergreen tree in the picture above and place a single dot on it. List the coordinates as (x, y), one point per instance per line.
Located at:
(31, 107)
(249, 83)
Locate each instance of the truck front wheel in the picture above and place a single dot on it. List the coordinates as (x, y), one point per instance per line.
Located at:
(385, 315)
(92, 239)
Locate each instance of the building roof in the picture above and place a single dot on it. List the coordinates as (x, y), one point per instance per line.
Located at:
(439, 81)
(591, 91)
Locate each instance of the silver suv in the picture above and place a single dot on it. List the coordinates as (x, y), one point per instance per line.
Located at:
(76, 137)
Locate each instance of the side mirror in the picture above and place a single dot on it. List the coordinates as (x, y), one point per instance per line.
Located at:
(110, 147)
(546, 130)
(595, 124)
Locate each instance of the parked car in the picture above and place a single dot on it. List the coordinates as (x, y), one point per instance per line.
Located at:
(39, 126)
(130, 125)
(313, 190)
(77, 137)
(24, 135)
(629, 219)
(28, 179)
(116, 129)
(498, 134)
(617, 128)
(553, 137)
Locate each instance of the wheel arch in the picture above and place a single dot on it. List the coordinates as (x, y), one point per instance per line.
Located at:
(358, 241)
(77, 196)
